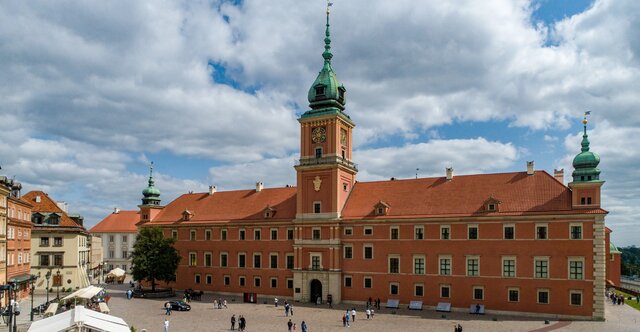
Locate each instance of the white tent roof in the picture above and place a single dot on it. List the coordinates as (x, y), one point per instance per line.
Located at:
(118, 272)
(80, 316)
(84, 293)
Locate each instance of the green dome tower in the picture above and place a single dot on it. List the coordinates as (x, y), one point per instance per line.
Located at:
(151, 194)
(585, 164)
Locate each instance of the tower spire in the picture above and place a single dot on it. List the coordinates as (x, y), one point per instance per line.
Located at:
(585, 137)
(151, 194)
(327, 39)
(151, 182)
(585, 164)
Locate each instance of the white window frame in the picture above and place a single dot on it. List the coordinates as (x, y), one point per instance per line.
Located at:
(515, 266)
(415, 232)
(391, 229)
(194, 261)
(509, 294)
(393, 256)
(545, 225)
(469, 227)
(313, 231)
(473, 293)
(540, 290)
(441, 257)
(313, 207)
(344, 251)
(575, 259)
(470, 257)
(415, 289)
(576, 224)
(397, 285)
(271, 254)
(311, 256)
(367, 228)
(367, 245)
(271, 234)
(576, 291)
(449, 232)
(535, 267)
(344, 281)
(348, 231)
(364, 282)
(204, 259)
(440, 293)
(253, 260)
(424, 264)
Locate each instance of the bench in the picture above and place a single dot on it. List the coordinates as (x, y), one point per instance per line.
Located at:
(443, 306)
(51, 310)
(394, 304)
(415, 305)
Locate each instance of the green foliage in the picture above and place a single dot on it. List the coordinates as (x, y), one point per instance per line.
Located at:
(630, 261)
(154, 257)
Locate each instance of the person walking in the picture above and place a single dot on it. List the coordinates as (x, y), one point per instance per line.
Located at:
(167, 306)
(294, 327)
(303, 326)
(368, 313)
(289, 325)
(275, 301)
(166, 325)
(233, 322)
(291, 309)
(347, 314)
(286, 309)
(243, 322)
(353, 315)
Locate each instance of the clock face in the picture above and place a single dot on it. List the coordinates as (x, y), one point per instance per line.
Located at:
(343, 137)
(319, 135)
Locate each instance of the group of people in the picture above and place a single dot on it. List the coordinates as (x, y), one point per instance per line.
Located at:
(288, 309)
(350, 316)
(219, 304)
(457, 328)
(292, 327)
(371, 304)
(242, 323)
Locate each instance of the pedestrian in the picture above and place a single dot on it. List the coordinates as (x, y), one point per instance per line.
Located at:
(167, 306)
(294, 327)
(369, 302)
(224, 304)
(353, 315)
(368, 313)
(378, 303)
(215, 304)
(243, 323)
(275, 301)
(291, 309)
(371, 313)
(347, 318)
(303, 326)
(286, 309)
(638, 299)
(233, 322)
(344, 321)
(289, 325)
(166, 325)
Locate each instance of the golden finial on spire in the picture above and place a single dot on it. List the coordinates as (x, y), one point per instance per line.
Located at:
(329, 4)
(584, 120)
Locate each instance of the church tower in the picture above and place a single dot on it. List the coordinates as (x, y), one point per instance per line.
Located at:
(325, 172)
(150, 206)
(586, 182)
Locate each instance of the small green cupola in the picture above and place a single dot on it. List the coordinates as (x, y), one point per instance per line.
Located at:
(151, 194)
(585, 164)
(326, 94)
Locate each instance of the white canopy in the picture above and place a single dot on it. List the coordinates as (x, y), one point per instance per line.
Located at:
(80, 317)
(117, 272)
(84, 293)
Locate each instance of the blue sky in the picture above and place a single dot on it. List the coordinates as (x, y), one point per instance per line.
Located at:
(210, 91)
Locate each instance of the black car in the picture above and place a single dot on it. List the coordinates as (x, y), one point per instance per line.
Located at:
(178, 305)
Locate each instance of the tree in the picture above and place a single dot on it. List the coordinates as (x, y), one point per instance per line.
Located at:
(154, 257)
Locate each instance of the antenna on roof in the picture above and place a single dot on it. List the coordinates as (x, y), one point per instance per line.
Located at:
(417, 169)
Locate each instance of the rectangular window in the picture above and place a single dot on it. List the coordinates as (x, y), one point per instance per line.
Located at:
(241, 234)
(274, 234)
(576, 232)
(44, 241)
(509, 232)
(124, 254)
(445, 266)
(256, 281)
(514, 294)
(319, 150)
(223, 234)
(256, 234)
(274, 282)
(368, 282)
(111, 238)
(192, 235)
(57, 242)
(316, 233)
(576, 269)
(472, 232)
(242, 260)
(576, 297)
(368, 231)
(347, 281)
(315, 262)
(224, 259)
(290, 260)
(193, 259)
(395, 233)
(444, 232)
(273, 261)
(174, 234)
(241, 281)
(543, 296)
(418, 232)
(394, 288)
(445, 291)
(368, 252)
(473, 266)
(348, 231)
(394, 264)
(209, 279)
(478, 293)
(348, 252)
(316, 207)
(418, 290)
(290, 283)
(57, 260)
(207, 235)
(112, 254)
(541, 268)
(289, 234)
(257, 261)
(541, 232)
(226, 280)
(509, 267)
(207, 259)
(197, 279)
(418, 265)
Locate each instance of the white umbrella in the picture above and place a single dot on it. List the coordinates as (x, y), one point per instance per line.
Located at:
(117, 272)
(84, 293)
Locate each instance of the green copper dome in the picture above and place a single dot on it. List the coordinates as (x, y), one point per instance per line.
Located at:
(151, 194)
(613, 249)
(326, 92)
(585, 164)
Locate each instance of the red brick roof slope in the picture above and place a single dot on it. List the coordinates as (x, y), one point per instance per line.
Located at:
(120, 222)
(464, 195)
(231, 205)
(47, 205)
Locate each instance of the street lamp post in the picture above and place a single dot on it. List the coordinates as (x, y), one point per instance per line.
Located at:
(58, 283)
(32, 283)
(47, 276)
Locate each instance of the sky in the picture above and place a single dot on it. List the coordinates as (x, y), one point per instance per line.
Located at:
(91, 92)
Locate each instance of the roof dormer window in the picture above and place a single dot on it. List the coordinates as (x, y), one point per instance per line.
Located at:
(186, 215)
(269, 212)
(341, 92)
(320, 90)
(381, 209)
(492, 204)
(54, 219)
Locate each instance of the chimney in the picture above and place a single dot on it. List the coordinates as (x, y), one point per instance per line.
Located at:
(530, 167)
(116, 210)
(449, 173)
(259, 186)
(559, 174)
(212, 189)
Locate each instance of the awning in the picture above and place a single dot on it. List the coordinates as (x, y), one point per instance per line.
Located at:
(84, 293)
(21, 278)
(78, 318)
(117, 272)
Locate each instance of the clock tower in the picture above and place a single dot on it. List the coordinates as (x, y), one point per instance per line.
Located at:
(325, 177)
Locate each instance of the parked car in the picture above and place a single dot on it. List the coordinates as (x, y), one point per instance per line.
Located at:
(178, 305)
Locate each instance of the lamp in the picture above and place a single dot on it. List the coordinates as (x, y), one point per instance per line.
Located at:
(48, 276)
(32, 283)
(58, 283)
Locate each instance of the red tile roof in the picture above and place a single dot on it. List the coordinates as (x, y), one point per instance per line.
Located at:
(120, 222)
(47, 205)
(236, 205)
(465, 195)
